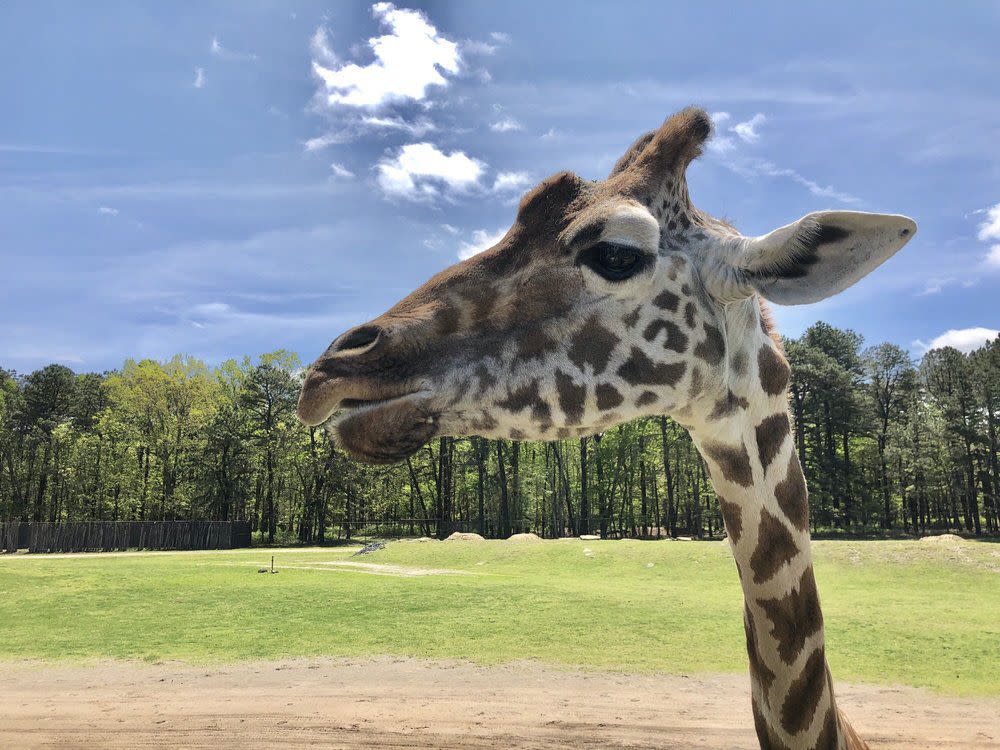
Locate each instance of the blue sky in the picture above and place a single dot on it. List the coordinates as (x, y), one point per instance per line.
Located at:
(222, 179)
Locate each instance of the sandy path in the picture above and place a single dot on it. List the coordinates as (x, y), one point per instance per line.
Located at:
(406, 703)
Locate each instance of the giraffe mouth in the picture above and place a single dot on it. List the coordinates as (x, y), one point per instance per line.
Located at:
(383, 431)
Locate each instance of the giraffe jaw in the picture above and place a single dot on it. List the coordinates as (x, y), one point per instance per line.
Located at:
(385, 431)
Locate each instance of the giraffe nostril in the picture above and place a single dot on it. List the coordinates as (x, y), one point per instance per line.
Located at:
(362, 337)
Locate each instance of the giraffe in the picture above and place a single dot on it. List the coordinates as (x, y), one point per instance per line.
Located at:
(616, 299)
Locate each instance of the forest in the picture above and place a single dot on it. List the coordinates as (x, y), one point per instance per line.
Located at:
(889, 445)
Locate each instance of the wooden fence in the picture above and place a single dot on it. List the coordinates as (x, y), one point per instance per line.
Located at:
(99, 536)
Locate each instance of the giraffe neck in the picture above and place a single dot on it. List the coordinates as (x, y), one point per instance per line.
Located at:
(762, 494)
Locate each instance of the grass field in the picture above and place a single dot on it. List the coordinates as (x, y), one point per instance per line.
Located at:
(917, 613)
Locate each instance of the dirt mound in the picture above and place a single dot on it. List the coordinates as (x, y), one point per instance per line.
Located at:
(589, 537)
(464, 536)
(528, 537)
(942, 539)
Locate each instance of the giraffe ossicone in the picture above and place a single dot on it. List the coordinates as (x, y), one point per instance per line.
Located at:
(616, 299)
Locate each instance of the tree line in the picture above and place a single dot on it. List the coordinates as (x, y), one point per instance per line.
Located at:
(888, 445)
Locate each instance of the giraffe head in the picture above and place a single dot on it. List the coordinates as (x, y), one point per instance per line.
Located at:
(604, 301)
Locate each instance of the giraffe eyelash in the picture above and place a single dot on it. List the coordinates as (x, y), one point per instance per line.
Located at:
(615, 261)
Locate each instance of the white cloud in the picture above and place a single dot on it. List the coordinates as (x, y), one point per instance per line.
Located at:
(107, 211)
(500, 36)
(450, 229)
(410, 58)
(481, 240)
(747, 130)
(224, 53)
(762, 167)
(320, 47)
(934, 286)
(475, 47)
(963, 339)
(323, 141)
(721, 144)
(199, 78)
(340, 170)
(420, 170)
(505, 125)
(509, 181)
(989, 231)
(417, 129)
(550, 135)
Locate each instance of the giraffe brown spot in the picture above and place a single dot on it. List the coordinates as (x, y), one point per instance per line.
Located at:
(827, 737)
(792, 496)
(739, 362)
(773, 370)
(732, 514)
(516, 434)
(766, 737)
(571, 397)
(484, 423)
(771, 434)
(608, 396)
(727, 405)
(446, 319)
(696, 384)
(524, 397)
(639, 369)
(534, 343)
(667, 300)
(676, 340)
(520, 398)
(541, 294)
(562, 433)
(592, 345)
(485, 378)
(712, 347)
(689, 311)
(804, 694)
(646, 398)
(775, 547)
(483, 298)
(759, 671)
(732, 460)
(632, 318)
(794, 617)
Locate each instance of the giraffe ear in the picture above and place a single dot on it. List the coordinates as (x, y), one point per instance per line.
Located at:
(822, 254)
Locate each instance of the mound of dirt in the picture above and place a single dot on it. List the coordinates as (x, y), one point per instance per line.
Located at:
(464, 536)
(528, 537)
(370, 547)
(942, 539)
(589, 537)
(426, 539)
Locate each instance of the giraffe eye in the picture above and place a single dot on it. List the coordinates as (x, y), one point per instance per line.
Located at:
(614, 261)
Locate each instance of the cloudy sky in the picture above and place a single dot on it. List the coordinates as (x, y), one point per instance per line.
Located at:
(231, 178)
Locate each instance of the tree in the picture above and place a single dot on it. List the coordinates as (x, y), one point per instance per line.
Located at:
(890, 379)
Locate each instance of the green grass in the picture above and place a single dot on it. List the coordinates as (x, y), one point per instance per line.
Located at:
(897, 612)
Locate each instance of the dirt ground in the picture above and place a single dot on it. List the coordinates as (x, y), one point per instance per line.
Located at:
(406, 703)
